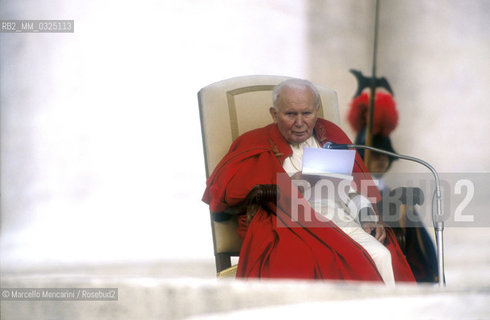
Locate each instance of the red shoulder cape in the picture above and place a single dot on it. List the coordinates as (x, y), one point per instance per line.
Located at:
(280, 245)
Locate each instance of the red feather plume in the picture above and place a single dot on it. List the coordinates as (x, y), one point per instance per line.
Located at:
(385, 117)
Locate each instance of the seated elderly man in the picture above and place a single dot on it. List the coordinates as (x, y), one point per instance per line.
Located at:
(286, 237)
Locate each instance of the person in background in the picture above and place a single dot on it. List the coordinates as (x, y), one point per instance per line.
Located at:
(411, 234)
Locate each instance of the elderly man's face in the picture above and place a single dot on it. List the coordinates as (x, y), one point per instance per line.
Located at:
(296, 114)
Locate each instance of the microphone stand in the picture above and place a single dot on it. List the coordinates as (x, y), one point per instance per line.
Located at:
(437, 218)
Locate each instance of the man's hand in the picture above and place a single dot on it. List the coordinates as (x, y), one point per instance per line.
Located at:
(376, 228)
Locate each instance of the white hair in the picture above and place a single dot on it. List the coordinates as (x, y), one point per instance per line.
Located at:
(296, 84)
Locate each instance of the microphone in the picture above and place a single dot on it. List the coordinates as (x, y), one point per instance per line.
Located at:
(436, 217)
(336, 146)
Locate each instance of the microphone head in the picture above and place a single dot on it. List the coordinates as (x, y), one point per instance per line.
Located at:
(328, 145)
(336, 146)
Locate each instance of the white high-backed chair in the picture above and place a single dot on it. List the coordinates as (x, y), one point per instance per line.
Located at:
(228, 109)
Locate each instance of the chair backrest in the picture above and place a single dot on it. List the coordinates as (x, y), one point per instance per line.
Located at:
(228, 109)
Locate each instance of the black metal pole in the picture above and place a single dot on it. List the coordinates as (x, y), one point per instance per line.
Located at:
(369, 127)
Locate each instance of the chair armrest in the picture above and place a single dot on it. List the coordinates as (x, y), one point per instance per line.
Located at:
(257, 197)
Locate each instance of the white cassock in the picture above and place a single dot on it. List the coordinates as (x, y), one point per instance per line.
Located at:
(344, 217)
